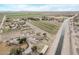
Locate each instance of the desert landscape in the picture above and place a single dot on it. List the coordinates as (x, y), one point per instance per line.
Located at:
(30, 32)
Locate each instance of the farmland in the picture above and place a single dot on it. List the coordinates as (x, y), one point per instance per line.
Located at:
(51, 28)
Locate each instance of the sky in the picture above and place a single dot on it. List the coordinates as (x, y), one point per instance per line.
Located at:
(39, 7)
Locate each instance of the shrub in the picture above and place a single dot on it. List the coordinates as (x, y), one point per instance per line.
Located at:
(22, 40)
(16, 51)
(34, 48)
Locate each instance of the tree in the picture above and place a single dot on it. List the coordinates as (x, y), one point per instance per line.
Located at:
(45, 36)
(22, 40)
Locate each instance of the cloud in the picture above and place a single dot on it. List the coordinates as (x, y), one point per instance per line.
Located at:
(39, 7)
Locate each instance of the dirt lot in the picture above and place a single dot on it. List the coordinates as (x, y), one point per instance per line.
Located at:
(5, 49)
(9, 35)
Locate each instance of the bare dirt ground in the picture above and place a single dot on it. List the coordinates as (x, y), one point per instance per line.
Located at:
(4, 48)
(9, 35)
(51, 37)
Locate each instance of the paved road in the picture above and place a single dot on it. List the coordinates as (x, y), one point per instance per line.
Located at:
(57, 45)
(63, 34)
(4, 18)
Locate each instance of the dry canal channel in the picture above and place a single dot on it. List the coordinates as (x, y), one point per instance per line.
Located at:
(61, 39)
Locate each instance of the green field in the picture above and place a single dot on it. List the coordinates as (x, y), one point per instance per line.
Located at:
(15, 15)
(51, 28)
(24, 14)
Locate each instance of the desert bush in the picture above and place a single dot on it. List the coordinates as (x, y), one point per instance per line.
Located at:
(16, 51)
(22, 40)
(34, 48)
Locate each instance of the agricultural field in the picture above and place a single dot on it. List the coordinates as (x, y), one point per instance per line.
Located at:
(50, 28)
